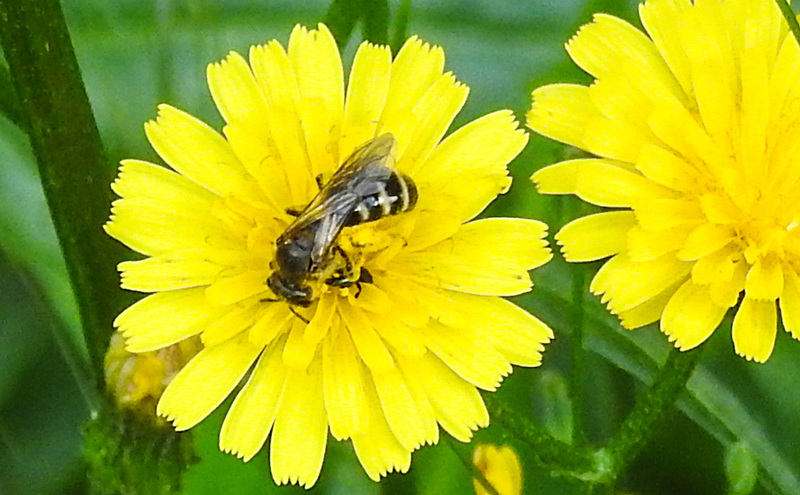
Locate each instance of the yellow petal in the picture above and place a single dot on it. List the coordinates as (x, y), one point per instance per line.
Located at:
(595, 237)
(142, 179)
(726, 292)
(205, 382)
(377, 448)
(343, 386)
(627, 284)
(367, 89)
(501, 468)
(489, 257)
(261, 158)
(706, 239)
(515, 333)
(716, 267)
(561, 112)
(754, 329)
(610, 45)
(298, 353)
(165, 318)
(176, 270)
(472, 357)
(250, 418)
(469, 168)
(370, 346)
(669, 170)
(196, 151)
(300, 433)
(320, 81)
(236, 94)
(646, 245)
(691, 316)
(600, 182)
(320, 324)
(433, 114)
(649, 311)
(400, 411)
(663, 214)
(790, 302)
(274, 74)
(145, 226)
(457, 405)
(231, 290)
(661, 20)
(399, 335)
(415, 69)
(271, 322)
(236, 320)
(765, 279)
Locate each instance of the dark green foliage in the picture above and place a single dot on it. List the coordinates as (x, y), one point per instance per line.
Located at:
(128, 453)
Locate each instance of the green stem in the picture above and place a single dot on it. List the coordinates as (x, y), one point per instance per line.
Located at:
(556, 455)
(577, 354)
(400, 32)
(376, 21)
(791, 19)
(74, 173)
(164, 64)
(9, 102)
(341, 18)
(650, 409)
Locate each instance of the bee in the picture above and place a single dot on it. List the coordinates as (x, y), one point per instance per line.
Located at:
(365, 188)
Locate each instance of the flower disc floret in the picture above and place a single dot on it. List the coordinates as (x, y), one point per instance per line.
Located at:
(694, 129)
(384, 362)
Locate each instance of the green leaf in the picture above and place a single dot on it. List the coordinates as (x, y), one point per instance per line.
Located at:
(710, 402)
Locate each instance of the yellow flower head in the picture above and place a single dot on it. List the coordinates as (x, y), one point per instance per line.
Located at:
(403, 319)
(501, 468)
(136, 381)
(696, 132)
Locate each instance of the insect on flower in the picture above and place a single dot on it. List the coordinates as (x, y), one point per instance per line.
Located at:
(364, 189)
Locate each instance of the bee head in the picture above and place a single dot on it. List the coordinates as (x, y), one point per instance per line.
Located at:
(293, 256)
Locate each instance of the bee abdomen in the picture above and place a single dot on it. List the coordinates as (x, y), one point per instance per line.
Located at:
(396, 195)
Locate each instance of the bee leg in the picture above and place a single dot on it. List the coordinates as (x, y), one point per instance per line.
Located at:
(295, 212)
(294, 311)
(269, 299)
(366, 277)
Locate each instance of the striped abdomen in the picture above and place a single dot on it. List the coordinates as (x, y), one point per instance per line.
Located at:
(395, 195)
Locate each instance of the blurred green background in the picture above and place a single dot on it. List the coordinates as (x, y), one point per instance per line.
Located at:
(136, 54)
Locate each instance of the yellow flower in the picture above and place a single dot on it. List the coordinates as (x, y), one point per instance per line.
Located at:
(695, 132)
(501, 468)
(136, 381)
(383, 362)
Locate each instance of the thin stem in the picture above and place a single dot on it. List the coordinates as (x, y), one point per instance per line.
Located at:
(74, 173)
(376, 21)
(400, 32)
(577, 354)
(791, 19)
(341, 18)
(560, 457)
(651, 408)
(9, 102)
(164, 62)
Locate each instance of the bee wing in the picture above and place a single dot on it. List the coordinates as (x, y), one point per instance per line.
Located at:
(361, 175)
